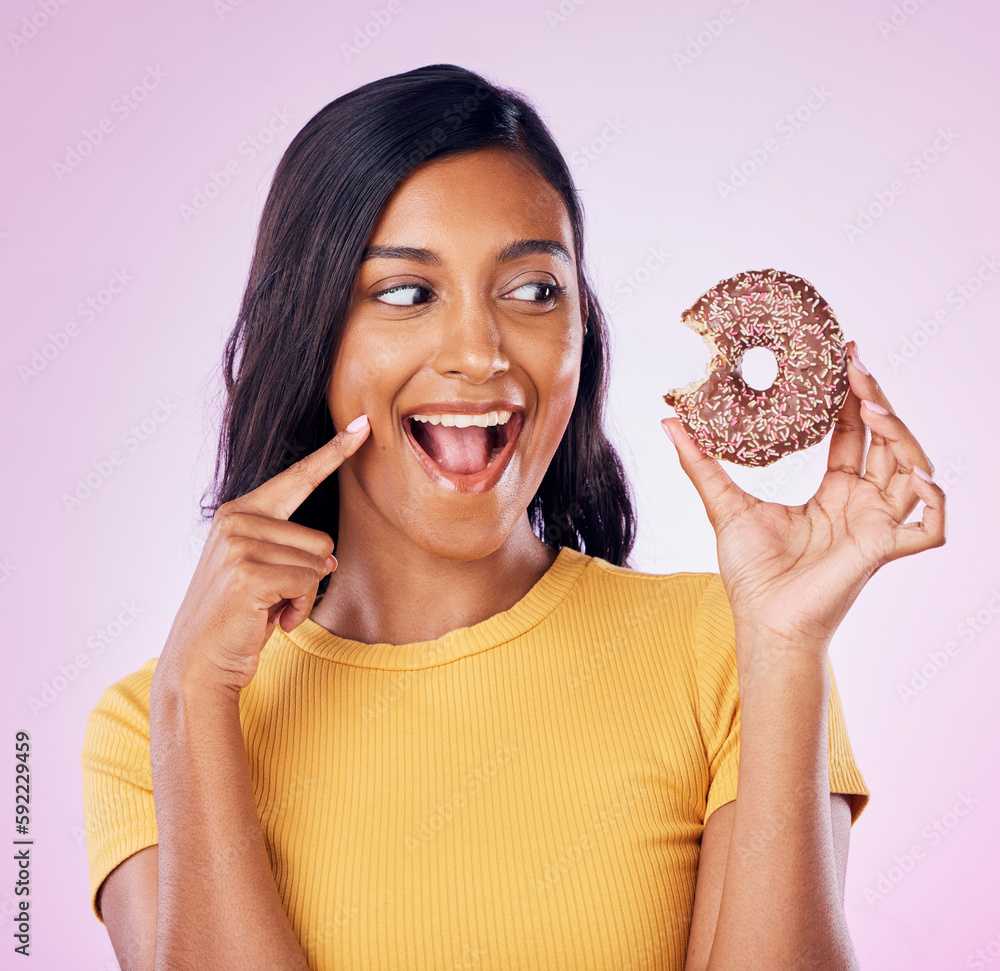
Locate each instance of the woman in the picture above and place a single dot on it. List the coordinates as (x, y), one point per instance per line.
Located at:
(488, 742)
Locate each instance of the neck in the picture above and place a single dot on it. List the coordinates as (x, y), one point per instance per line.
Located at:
(389, 589)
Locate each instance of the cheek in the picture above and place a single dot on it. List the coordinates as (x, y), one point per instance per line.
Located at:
(366, 373)
(556, 377)
(389, 350)
(559, 380)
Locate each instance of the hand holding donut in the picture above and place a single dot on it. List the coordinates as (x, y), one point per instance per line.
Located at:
(256, 569)
(792, 572)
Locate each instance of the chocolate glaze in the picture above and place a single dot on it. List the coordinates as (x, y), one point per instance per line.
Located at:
(763, 308)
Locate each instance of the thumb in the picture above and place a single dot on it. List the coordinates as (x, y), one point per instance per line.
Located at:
(722, 497)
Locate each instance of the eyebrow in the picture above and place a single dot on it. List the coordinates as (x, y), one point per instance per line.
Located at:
(512, 251)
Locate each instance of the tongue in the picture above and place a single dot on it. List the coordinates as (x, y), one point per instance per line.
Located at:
(460, 450)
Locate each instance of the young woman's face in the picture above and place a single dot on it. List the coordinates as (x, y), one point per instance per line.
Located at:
(467, 303)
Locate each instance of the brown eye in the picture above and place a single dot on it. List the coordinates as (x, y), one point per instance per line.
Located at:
(539, 292)
(404, 295)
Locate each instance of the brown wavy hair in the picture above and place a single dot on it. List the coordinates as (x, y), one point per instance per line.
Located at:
(322, 205)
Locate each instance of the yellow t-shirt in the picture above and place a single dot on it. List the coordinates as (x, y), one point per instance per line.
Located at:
(528, 792)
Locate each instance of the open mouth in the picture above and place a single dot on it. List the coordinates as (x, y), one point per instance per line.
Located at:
(468, 456)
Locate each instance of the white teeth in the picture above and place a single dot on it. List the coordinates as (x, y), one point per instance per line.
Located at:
(463, 421)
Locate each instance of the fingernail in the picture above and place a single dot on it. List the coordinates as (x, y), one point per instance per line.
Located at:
(331, 564)
(357, 424)
(872, 406)
(856, 361)
(923, 475)
(669, 430)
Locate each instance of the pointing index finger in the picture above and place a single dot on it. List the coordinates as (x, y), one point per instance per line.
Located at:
(283, 493)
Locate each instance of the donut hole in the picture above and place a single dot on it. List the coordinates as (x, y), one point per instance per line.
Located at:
(758, 367)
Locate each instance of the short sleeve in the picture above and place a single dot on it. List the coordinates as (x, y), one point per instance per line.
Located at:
(119, 814)
(719, 714)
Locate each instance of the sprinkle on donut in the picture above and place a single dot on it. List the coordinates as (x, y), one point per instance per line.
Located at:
(763, 308)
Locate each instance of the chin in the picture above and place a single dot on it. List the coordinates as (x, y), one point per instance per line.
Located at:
(472, 547)
(463, 540)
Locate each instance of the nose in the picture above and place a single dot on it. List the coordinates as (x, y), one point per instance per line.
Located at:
(470, 343)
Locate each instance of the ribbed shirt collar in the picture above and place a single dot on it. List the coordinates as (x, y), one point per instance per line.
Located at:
(550, 590)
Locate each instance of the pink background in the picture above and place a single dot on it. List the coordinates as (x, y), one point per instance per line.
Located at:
(650, 139)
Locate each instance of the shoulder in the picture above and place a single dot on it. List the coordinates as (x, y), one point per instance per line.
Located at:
(688, 612)
(118, 805)
(608, 573)
(128, 692)
(118, 725)
(684, 594)
(122, 712)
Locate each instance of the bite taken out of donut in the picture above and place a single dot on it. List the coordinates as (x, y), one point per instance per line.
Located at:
(763, 308)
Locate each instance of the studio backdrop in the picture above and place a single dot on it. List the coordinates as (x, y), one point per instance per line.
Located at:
(853, 144)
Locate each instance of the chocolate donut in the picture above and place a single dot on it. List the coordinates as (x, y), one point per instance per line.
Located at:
(721, 412)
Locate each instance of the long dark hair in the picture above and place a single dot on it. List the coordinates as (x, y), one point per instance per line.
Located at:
(322, 206)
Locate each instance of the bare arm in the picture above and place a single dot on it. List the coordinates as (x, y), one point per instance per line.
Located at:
(211, 900)
(715, 842)
(782, 899)
(218, 904)
(206, 896)
(127, 901)
(791, 574)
